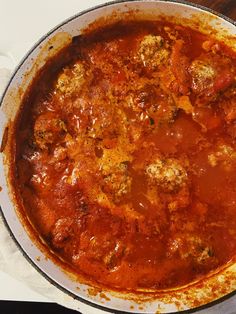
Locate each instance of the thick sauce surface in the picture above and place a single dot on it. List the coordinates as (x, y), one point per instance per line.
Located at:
(126, 155)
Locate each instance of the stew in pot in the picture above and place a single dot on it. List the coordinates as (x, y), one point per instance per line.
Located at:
(126, 155)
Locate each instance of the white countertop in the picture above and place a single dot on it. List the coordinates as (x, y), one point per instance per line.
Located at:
(13, 290)
(22, 23)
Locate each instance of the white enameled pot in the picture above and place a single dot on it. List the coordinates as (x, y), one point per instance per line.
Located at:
(212, 288)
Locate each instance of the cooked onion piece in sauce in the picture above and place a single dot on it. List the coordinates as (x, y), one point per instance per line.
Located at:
(126, 155)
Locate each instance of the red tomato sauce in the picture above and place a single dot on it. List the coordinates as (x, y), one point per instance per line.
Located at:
(126, 155)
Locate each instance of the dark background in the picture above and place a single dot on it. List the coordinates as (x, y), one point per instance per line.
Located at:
(226, 7)
(15, 307)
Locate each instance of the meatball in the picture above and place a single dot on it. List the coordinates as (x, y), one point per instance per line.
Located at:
(210, 75)
(191, 246)
(101, 240)
(168, 173)
(225, 155)
(203, 75)
(62, 231)
(71, 80)
(105, 249)
(117, 182)
(59, 154)
(152, 51)
(48, 129)
(153, 104)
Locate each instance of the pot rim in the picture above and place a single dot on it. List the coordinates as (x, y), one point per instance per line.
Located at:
(14, 73)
